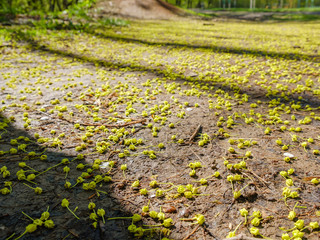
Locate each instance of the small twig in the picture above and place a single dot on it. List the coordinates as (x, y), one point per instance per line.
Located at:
(110, 155)
(109, 97)
(209, 232)
(248, 176)
(92, 196)
(259, 178)
(228, 208)
(192, 233)
(194, 134)
(74, 234)
(196, 155)
(308, 179)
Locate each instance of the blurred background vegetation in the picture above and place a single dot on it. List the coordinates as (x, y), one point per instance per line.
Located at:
(261, 5)
(45, 6)
(55, 14)
(80, 6)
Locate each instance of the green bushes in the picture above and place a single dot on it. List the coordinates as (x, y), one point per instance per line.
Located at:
(28, 6)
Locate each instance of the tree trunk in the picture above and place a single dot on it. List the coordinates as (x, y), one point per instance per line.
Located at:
(10, 5)
(30, 4)
(52, 5)
(189, 5)
(44, 5)
(60, 5)
(199, 4)
(66, 4)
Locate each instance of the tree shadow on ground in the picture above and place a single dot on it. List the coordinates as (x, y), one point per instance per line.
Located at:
(23, 199)
(253, 93)
(218, 49)
(90, 29)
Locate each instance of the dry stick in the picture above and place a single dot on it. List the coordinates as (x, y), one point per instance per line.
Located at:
(110, 154)
(209, 232)
(92, 196)
(259, 178)
(109, 97)
(196, 155)
(308, 179)
(194, 134)
(252, 181)
(74, 234)
(192, 233)
(228, 208)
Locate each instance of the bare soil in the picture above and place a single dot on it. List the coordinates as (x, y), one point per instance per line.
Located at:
(139, 9)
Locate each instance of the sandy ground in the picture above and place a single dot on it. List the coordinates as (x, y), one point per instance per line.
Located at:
(141, 9)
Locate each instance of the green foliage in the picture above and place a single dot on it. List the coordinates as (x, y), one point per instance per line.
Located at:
(81, 9)
(58, 14)
(77, 23)
(78, 7)
(113, 22)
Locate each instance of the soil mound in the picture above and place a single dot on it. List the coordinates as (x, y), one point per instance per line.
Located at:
(140, 9)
